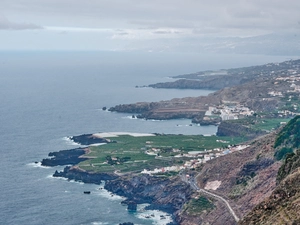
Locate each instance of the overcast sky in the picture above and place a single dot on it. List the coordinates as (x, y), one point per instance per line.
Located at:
(139, 24)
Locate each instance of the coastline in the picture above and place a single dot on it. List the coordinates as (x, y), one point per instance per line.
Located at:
(167, 195)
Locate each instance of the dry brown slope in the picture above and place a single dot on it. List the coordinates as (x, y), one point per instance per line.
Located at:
(247, 178)
(282, 207)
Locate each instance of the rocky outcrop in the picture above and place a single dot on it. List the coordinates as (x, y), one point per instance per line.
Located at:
(233, 128)
(131, 206)
(65, 157)
(165, 194)
(74, 173)
(161, 193)
(88, 139)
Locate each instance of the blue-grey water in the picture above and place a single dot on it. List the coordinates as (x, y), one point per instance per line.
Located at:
(45, 97)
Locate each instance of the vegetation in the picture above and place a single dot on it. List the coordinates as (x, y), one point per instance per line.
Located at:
(197, 205)
(280, 154)
(269, 124)
(290, 134)
(291, 162)
(134, 154)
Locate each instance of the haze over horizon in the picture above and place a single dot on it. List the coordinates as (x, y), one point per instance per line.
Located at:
(233, 26)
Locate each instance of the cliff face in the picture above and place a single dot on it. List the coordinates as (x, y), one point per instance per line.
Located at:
(164, 194)
(74, 173)
(232, 128)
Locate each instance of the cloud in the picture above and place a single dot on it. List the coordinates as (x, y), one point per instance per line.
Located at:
(197, 14)
(77, 29)
(5, 24)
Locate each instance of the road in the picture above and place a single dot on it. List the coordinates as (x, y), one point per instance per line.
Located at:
(194, 185)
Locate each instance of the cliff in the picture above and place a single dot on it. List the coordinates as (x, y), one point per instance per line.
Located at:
(237, 129)
(161, 193)
(74, 173)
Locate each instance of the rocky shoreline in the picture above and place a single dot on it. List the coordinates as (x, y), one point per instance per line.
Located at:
(87, 139)
(65, 157)
(161, 193)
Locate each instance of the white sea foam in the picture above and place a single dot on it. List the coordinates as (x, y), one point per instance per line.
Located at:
(152, 120)
(38, 165)
(157, 217)
(130, 117)
(77, 182)
(99, 223)
(59, 178)
(70, 142)
(106, 194)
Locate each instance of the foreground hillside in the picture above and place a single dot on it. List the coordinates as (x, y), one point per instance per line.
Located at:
(283, 206)
(243, 178)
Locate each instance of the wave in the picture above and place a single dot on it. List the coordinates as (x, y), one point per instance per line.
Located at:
(70, 142)
(57, 178)
(37, 165)
(108, 195)
(130, 117)
(157, 217)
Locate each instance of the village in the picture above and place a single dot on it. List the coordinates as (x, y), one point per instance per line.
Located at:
(197, 157)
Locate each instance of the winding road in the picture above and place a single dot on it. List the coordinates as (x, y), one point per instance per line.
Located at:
(194, 185)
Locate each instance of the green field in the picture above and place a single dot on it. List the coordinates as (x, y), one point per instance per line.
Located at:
(269, 124)
(128, 153)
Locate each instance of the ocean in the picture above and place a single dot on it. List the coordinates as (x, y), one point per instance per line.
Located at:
(47, 96)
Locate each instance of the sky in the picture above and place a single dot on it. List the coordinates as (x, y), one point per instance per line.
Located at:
(149, 25)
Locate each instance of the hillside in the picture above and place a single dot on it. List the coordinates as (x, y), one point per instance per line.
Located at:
(243, 178)
(283, 206)
(260, 186)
